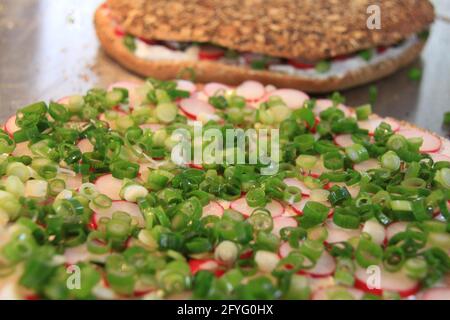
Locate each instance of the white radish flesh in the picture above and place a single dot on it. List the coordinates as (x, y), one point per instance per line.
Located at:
(151, 126)
(109, 186)
(73, 182)
(283, 222)
(215, 88)
(11, 126)
(376, 230)
(374, 121)
(212, 209)
(344, 140)
(22, 149)
(395, 228)
(294, 99)
(251, 90)
(436, 294)
(76, 254)
(325, 266)
(85, 145)
(186, 85)
(194, 107)
(324, 104)
(338, 234)
(292, 182)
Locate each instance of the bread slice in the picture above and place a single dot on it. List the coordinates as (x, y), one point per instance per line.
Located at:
(208, 71)
(311, 30)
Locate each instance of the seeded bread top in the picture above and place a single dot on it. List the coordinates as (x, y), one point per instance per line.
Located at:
(306, 29)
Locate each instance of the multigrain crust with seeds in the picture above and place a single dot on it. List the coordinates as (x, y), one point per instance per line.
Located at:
(306, 30)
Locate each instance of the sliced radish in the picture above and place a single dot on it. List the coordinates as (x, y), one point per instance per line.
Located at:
(112, 123)
(374, 121)
(151, 126)
(292, 182)
(367, 165)
(395, 228)
(63, 101)
(205, 264)
(85, 145)
(324, 104)
(445, 148)
(294, 99)
(344, 140)
(215, 88)
(283, 222)
(324, 267)
(436, 294)
(200, 95)
(389, 281)
(225, 204)
(129, 207)
(131, 87)
(284, 250)
(439, 157)
(275, 208)
(22, 149)
(431, 143)
(109, 186)
(73, 255)
(212, 209)
(194, 107)
(210, 52)
(251, 90)
(186, 85)
(338, 234)
(73, 182)
(11, 126)
(328, 293)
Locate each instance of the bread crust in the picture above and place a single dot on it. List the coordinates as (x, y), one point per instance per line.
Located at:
(307, 29)
(211, 71)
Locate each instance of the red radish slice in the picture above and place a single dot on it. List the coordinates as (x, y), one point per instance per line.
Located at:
(367, 165)
(76, 254)
(73, 182)
(284, 250)
(112, 123)
(194, 107)
(445, 149)
(328, 293)
(240, 205)
(394, 228)
(119, 31)
(151, 126)
(186, 85)
(22, 149)
(212, 209)
(439, 157)
(431, 143)
(64, 100)
(374, 121)
(338, 234)
(294, 99)
(389, 281)
(109, 186)
(200, 95)
(292, 182)
(270, 88)
(283, 222)
(85, 145)
(344, 140)
(436, 294)
(215, 88)
(205, 264)
(11, 126)
(131, 87)
(129, 207)
(324, 267)
(324, 104)
(251, 90)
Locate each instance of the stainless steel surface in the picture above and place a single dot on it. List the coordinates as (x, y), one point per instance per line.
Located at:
(48, 49)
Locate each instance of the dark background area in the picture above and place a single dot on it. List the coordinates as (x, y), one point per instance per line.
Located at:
(48, 49)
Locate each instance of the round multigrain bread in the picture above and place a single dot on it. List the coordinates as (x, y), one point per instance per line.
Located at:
(209, 71)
